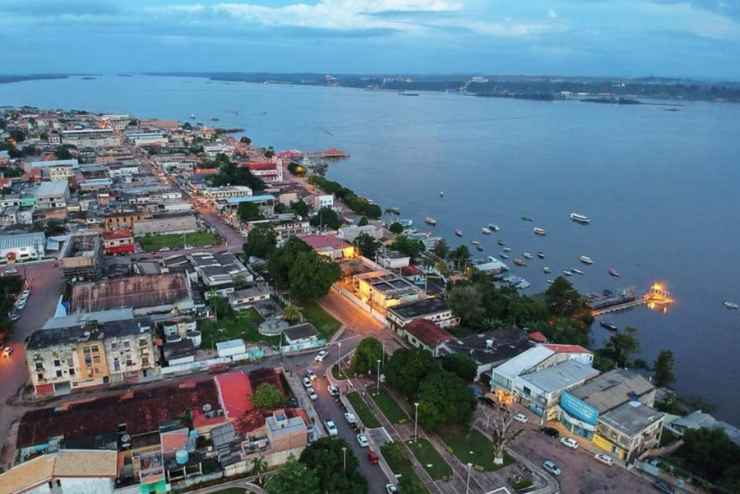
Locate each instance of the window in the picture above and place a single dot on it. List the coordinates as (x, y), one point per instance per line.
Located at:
(129, 363)
(126, 344)
(86, 349)
(57, 363)
(40, 376)
(114, 345)
(59, 373)
(71, 371)
(39, 366)
(96, 359)
(143, 342)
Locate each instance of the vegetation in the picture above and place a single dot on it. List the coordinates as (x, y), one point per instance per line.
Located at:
(335, 465)
(155, 242)
(363, 221)
(267, 397)
(406, 369)
(441, 249)
(407, 246)
(326, 217)
(472, 447)
(500, 420)
(307, 275)
(366, 356)
(459, 257)
(392, 411)
(261, 242)
(363, 411)
(300, 208)
(618, 350)
(710, 454)
(444, 399)
(396, 228)
(230, 174)
(248, 211)
(10, 287)
(324, 323)
(461, 365)
(358, 204)
(367, 245)
(240, 325)
(433, 463)
(664, 375)
(409, 482)
(294, 477)
(292, 313)
(563, 300)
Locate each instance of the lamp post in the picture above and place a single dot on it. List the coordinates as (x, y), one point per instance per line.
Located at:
(467, 482)
(416, 421)
(339, 357)
(377, 390)
(344, 458)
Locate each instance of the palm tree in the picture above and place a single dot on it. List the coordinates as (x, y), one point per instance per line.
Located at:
(259, 467)
(292, 313)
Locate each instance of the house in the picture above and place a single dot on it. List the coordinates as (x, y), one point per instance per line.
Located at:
(300, 334)
(123, 219)
(264, 202)
(323, 201)
(67, 471)
(629, 430)
(220, 271)
(351, 232)
(249, 297)
(230, 348)
(287, 434)
(427, 335)
(700, 420)
(268, 171)
(118, 242)
(330, 246)
(382, 289)
(21, 247)
(52, 195)
(391, 259)
(433, 309)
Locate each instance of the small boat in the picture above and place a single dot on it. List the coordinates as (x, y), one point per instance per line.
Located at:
(731, 305)
(430, 221)
(501, 243)
(459, 233)
(493, 228)
(614, 272)
(567, 272)
(479, 248)
(507, 249)
(539, 231)
(406, 222)
(547, 269)
(550, 282)
(475, 242)
(441, 194)
(527, 255)
(586, 260)
(527, 218)
(394, 210)
(541, 255)
(192, 116)
(214, 119)
(608, 325)
(504, 256)
(577, 271)
(579, 218)
(519, 261)
(486, 231)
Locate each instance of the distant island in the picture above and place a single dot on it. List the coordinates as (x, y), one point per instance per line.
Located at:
(5, 79)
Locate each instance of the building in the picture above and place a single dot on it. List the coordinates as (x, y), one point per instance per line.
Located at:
(123, 219)
(268, 171)
(629, 430)
(423, 333)
(432, 309)
(166, 225)
(64, 359)
(323, 201)
(220, 271)
(287, 434)
(147, 138)
(351, 232)
(22, 247)
(82, 258)
(330, 246)
(382, 290)
(217, 194)
(700, 420)
(390, 259)
(68, 471)
(90, 138)
(490, 265)
(249, 297)
(301, 336)
(118, 242)
(52, 195)
(265, 203)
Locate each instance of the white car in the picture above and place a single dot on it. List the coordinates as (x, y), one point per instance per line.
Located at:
(569, 442)
(350, 418)
(311, 375)
(605, 459)
(391, 488)
(306, 382)
(312, 394)
(321, 356)
(362, 440)
(331, 428)
(520, 417)
(333, 390)
(551, 467)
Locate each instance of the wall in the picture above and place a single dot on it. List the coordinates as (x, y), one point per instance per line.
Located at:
(77, 486)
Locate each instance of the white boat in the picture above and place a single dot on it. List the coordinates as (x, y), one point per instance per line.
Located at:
(586, 260)
(550, 282)
(731, 305)
(580, 218)
(406, 223)
(547, 269)
(567, 272)
(527, 255)
(504, 256)
(475, 242)
(441, 194)
(577, 271)
(459, 233)
(486, 231)
(493, 228)
(539, 231)
(507, 249)
(541, 255)
(430, 221)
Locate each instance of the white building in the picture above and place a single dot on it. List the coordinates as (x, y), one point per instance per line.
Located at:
(91, 138)
(323, 201)
(224, 193)
(52, 195)
(230, 348)
(22, 247)
(146, 138)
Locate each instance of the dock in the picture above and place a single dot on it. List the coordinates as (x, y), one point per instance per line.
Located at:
(619, 307)
(656, 296)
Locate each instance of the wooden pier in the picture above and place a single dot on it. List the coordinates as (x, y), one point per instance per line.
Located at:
(619, 307)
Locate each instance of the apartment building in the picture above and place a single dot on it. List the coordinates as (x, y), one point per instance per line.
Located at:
(215, 194)
(52, 195)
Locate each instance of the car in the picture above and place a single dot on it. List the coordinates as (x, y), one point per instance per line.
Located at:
(551, 432)
(20, 305)
(311, 375)
(350, 418)
(26, 293)
(312, 394)
(569, 442)
(362, 440)
(321, 356)
(333, 390)
(331, 428)
(306, 382)
(391, 489)
(372, 457)
(551, 467)
(14, 315)
(520, 417)
(8, 351)
(605, 459)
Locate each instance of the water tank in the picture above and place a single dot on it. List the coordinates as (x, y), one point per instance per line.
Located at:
(181, 457)
(194, 336)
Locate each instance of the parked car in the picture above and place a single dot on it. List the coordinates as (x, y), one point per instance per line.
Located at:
(321, 356)
(312, 393)
(362, 440)
(331, 428)
(350, 418)
(8, 351)
(605, 459)
(373, 457)
(520, 417)
(306, 382)
(391, 489)
(551, 432)
(333, 390)
(551, 467)
(569, 442)
(311, 375)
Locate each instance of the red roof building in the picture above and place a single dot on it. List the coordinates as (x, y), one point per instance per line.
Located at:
(537, 337)
(268, 171)
(423, 333)
(330, 246)
(118, 242)
(567, 348)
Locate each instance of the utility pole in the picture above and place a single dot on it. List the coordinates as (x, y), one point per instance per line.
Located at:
(377, 390)
(467, 482)
(416, 421)
(344, 458)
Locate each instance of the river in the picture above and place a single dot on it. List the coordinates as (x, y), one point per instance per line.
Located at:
(662, 187)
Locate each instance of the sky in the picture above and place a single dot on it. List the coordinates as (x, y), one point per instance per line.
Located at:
(629, 38)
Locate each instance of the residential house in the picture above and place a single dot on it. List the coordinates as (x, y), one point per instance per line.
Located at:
(330, 246)
(433, 309)
(425, 334)
(52, 195)
(268, 171)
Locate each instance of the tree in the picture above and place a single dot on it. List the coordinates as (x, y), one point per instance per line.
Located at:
(408, 247)
(293, 477)
(460, 257)
(622, 346)
(405, 370)
(466, 302)
(261, 242)
(327, 217)
(499, 420)
(259, 467)
(230, 174)
(311, 276)
(283, 258)
(396, 228)
(461, 365)
(248, 211)
(335, 465)
(300, 208)
(367, 244)
(363, 221)
(664, 369)
(444, 399)
(292, 313)
(367, 354)
(269, 152)
(711, 454)
(62, 153)
(267, 397)
(245, 140)
(441, 249)
(562, 299)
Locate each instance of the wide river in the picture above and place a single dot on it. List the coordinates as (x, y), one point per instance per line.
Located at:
(662, 187)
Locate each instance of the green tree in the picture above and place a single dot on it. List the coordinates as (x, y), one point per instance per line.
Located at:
(622, 346)
(363, 221)
(267, 397)
(300, 208)
(245, 140)
(461, 365)
(562, 299)
(367, 244)
(283, 258)
(460, 257)
(335, 465)
(220, 307)
(366, 356)
(261, 241)
(441, 249)
(259, 467)
(311, 276)
(664, 369)
(248, 211)
(292, 313)
(407, 246)
(62, 153)
(294, 477)
(396, 228)
(405, 370)
(230, 174)
(711, 454)
(466, 302)
(444, 399)
(326, 217)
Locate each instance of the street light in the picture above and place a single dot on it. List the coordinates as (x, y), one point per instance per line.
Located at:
(467, 482)
(344, 458)
(416, 421)
(378, 386)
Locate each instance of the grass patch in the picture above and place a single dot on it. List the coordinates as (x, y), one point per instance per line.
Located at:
(152, 243)
(395, 455)
(364, 413)
(472, 447)
(243, 325)
(325, 324)
(389, 407)
(432, 462)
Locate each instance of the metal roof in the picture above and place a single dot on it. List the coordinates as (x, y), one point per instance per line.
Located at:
(560, 376)
(523, 362)
(22, 240)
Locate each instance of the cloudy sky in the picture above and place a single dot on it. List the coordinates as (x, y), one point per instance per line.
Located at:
(695, 38)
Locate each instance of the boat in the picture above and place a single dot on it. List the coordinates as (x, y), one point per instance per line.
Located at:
(459, 233)
(614, 272)
(394, 210)
(608, 325)
(406, 222)
(539, 231)
(479, 248)
(192, 116)
(547, 269)
(214, 119)
(731, 305)
(527, 255)
(430, 221)
(550, 282)
(507, 249)
(501, 243)
(586, 260)
(493, 228)
(577, 271)
(519, 261)
(486, 231)
(567, 272)
(441, 194)
(527, 218)
(541, 255)
(579, 218)
(504, 256)
(475, 242)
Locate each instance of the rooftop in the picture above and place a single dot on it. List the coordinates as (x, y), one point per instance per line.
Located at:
(611, 389)
(301, 331)
(504, 344)
(631, 417)
(420, 308)
(523, 362)
(17, 240)
(320, 242)
(567, 348)
(86, 332)
(428, 333)
(133, 291)
(561, 376)
(49, 189)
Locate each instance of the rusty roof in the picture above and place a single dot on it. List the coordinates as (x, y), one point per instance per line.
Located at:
(133, 291)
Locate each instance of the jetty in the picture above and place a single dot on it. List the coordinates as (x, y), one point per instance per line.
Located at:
(657, 296)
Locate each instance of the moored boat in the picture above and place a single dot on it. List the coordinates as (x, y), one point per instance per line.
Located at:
(479, 248)
(459, 233)
(586, 260)
(493, 228)
(541, 255)
(501, 243)
(507, 249)
(527, 218)
(527, 255)
(475, 242)
(486, 231)
(614, 272)
(567, 272)
(519, 261)
(430, 221)
(577, 271)
(731, 305)
(539, 231)
(580, 218)
(547, 269)
(608, 325)
(504, 256)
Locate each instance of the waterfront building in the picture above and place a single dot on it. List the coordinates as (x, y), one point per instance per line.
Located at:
(424, 334)
(432, 309)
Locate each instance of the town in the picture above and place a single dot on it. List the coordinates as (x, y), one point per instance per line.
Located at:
(184, 310)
